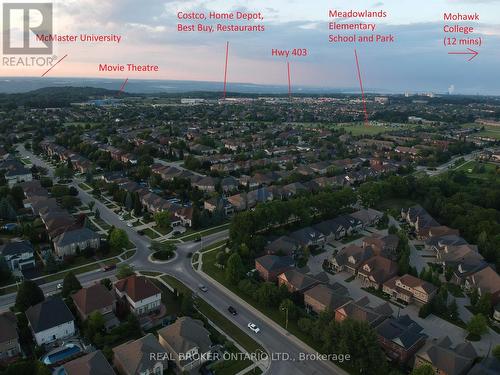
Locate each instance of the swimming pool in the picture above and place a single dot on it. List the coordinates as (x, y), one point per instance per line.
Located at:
(67, 351)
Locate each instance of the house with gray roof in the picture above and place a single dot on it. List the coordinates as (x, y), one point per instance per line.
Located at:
(140, 356)
(400, 338)
(19, 255)
(50, 320)
(91, 364)
(446, 359)
(188, 341)
(68, 242)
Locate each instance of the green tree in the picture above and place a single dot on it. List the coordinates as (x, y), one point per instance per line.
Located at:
(496, 352)
(29, 294)
(124, 270)
(483, 306)
(162, 219)
(118, 239)
(70, 284)
(95, 324)
(423, 370)
(7, 212)
(477, 326)
(107, 283)
(235, 270)
(287, 306)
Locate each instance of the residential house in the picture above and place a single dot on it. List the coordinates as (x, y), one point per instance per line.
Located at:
(383, 245)
(207, 184)
(323, 297)
(418, 218)
(377, 270)
(333, 230)
(350, 258)
(400, 338)
(368, 216)
(96, 298)
(142, 356)
(361, 310)
(308, 237)
(445, 359)
(408, 288)
(94, 363)
(68, 242)
(50, 320)
(270, 266)
(296, 281)
(9, 338)
(19, 255)
(283, 245)
(187, 341)
(16, 173)
(485, 281)
(139, 294)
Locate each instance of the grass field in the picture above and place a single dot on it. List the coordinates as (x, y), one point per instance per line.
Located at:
(479, 170)
(489, 131)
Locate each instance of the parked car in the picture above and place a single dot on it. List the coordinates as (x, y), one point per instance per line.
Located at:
(129, 225)
(109, 267)
(141, 232)
(232, 310)
(59, 286)
(253, 327)
(203, 288)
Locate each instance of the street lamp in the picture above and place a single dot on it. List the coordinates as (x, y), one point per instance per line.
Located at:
(285, 309)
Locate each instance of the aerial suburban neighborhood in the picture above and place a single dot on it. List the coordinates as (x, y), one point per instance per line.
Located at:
(147, 235)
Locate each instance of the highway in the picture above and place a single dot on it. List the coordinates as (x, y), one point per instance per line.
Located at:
(271, 336)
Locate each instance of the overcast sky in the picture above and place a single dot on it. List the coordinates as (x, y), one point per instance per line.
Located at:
(417, 61)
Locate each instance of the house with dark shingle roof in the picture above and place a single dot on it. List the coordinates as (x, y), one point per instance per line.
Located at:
(322, 297)
(297, 281)
(409, 289)
(283, 245)
(91, 364)
(270, 266)
(187, 341)
(400, 338)
(142, 356)
(18, 255)
(377, 270)
(50, 320)
(446, 359)
(362, 311)
(69, 241)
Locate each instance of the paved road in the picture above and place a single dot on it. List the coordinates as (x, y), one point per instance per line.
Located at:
(271, 337)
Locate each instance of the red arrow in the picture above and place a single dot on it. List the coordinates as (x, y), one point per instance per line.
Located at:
(469, 52)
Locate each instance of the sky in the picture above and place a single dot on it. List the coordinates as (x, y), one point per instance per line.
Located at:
(416, 62)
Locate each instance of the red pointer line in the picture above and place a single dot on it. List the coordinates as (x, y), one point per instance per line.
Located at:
(289, 81)
(123, 86)
(48, 70)
(361, 86)
(471, 52)
(225, 69)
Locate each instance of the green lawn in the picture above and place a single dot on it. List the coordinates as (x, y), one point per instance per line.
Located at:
(206, 232)
(213, 246)
(150, 233)
(489, 131)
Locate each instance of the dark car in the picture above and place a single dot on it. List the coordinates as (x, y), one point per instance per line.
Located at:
(141, 232)
(197, 239)
(109, 267)
(232, 310)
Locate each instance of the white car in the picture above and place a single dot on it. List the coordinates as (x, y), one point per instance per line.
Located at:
(129, 225)
(121, 218)
(253, 327)
(59, 286)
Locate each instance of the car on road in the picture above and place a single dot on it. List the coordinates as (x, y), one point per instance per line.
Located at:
(129, 225)
(121, 218)
(109, 267)
(232, 310)
(197, 239)
(59, 286)
(203, 288)
(253, 328)
(141, 232)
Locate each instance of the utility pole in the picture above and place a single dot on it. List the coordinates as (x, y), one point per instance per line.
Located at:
(285, 309)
